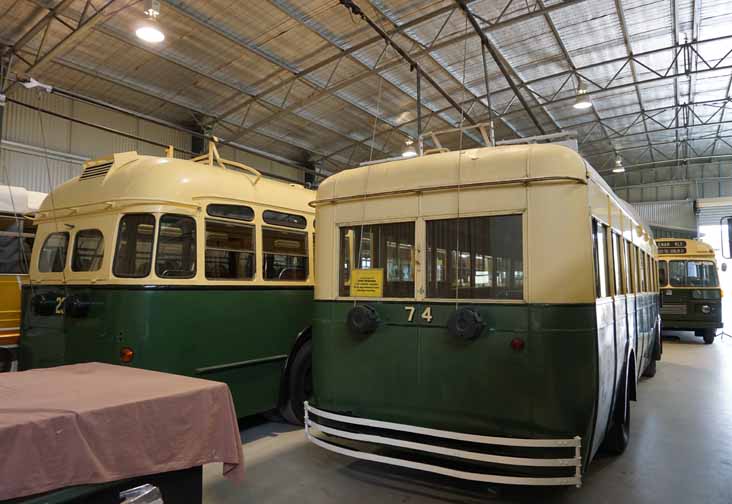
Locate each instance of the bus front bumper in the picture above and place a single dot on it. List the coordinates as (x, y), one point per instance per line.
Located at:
(486, 459)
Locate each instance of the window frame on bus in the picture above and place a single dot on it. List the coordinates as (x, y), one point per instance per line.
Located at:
(192, 254)
(25, 240)
(601, 265)
(288, 230)
(118, 244)
(74, 251)
(65, 257)
(242, 224)
(339, 264)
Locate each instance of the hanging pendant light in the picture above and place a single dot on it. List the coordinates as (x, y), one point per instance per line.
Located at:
(619, 168)
(149, 30)
(582, 100)
(409, 150)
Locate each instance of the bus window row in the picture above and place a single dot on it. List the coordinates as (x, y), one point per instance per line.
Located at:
(620, 266)
(229, 246)
(467, 258)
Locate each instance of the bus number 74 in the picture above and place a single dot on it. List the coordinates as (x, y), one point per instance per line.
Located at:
(426, 314)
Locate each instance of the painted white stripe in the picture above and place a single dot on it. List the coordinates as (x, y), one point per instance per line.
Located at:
(485, 478)
(468, 455)
(458, 436)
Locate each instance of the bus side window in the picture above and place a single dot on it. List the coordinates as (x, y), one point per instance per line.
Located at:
(662, 267)
(133, 256)
(617, 263)
(379, 246)
(642, 270)
(88, 250)
(602, 279)
(176, 254)
(230, 252)
(285, 255)
(628, 267)
(53, 253)
(16, 242)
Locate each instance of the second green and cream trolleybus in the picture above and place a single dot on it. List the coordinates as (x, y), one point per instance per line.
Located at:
(199, 267)
(690, 292)
(482, 314)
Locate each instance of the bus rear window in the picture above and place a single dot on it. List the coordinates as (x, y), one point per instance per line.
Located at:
(229, 251)
(693, 274)
(88, 250)
(16, 243)
(133, 257)
(53, 253)
(389, 247)
(284, 219)
(236, 212)
(176, 255)
(475, 258)
(285, 255)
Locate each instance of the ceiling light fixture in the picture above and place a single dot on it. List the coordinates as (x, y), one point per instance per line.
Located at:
(619, 168)
(409, 150)
(149, 30)
(582, 100)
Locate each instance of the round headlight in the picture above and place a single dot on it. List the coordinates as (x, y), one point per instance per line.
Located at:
(706, 309)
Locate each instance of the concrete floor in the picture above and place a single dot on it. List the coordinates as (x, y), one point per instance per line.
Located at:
(680, 452)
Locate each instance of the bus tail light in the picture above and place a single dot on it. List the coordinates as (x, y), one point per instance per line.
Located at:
(126, 354)
(518, 344)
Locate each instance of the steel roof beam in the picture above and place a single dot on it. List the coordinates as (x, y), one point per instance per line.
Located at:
(499, 62)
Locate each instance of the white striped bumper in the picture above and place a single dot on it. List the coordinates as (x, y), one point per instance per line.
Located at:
(338, 433)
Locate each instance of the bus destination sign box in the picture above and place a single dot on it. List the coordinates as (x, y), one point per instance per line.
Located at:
(367, 282)
(672, 247)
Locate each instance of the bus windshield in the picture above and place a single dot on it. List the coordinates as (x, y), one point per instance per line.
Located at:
(693, 273)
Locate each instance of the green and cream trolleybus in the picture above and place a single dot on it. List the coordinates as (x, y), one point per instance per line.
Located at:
(199, 267)
(690, 292)
(483, 314)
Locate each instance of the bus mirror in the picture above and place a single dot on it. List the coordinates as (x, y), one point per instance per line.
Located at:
(726, 229)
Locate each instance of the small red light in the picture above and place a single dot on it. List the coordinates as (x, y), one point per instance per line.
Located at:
(517, 344)
(126, 354)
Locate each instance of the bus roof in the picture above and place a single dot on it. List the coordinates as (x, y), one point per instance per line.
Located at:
(505, 163)
(683, 247)
(170, 180)
(19, 200)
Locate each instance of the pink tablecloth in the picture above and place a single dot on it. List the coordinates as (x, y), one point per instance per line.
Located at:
(93, 423)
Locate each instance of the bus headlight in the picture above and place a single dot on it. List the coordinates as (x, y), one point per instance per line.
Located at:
(706, 309)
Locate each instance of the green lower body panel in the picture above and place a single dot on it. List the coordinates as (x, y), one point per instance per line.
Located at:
(239, 336)
(535, 372)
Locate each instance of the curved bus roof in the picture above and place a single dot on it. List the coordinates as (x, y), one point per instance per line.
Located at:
(500, 165)
(19, 200)
(159, 180)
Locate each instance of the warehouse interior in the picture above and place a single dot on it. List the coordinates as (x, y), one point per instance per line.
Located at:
(303, 90)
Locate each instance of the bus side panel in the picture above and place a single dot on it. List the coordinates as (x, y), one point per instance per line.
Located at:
(632, 318)
(419, 374)
(606, 368)
(238, 336)
(622, 344)
(42, 341)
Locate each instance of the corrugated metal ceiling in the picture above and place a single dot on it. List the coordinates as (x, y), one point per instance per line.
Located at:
(306, 79)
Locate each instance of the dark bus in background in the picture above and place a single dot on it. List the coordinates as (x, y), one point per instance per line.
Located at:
(690, 292)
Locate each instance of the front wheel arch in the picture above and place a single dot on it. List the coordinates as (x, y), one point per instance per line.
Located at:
(302, 338)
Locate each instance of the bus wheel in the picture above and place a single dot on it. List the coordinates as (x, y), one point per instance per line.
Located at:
(709, 335)
(650, 371)
(618, 435)
(300, 385)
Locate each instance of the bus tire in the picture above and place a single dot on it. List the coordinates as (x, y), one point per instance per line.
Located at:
(709, 335)
(299, 384)
(618, 435)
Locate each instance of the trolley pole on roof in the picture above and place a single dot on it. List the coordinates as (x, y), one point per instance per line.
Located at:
(419, 112)
(356, 10)
(494, 54)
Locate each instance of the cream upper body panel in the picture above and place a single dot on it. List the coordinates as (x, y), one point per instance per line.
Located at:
(551, 186)
(147, 184)
(694, 249)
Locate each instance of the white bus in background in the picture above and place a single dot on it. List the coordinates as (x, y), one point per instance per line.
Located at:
(17, 233)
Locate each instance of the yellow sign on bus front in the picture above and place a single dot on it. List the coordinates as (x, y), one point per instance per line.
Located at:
(367, 282)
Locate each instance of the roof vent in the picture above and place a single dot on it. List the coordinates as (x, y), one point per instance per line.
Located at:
(97, 170)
